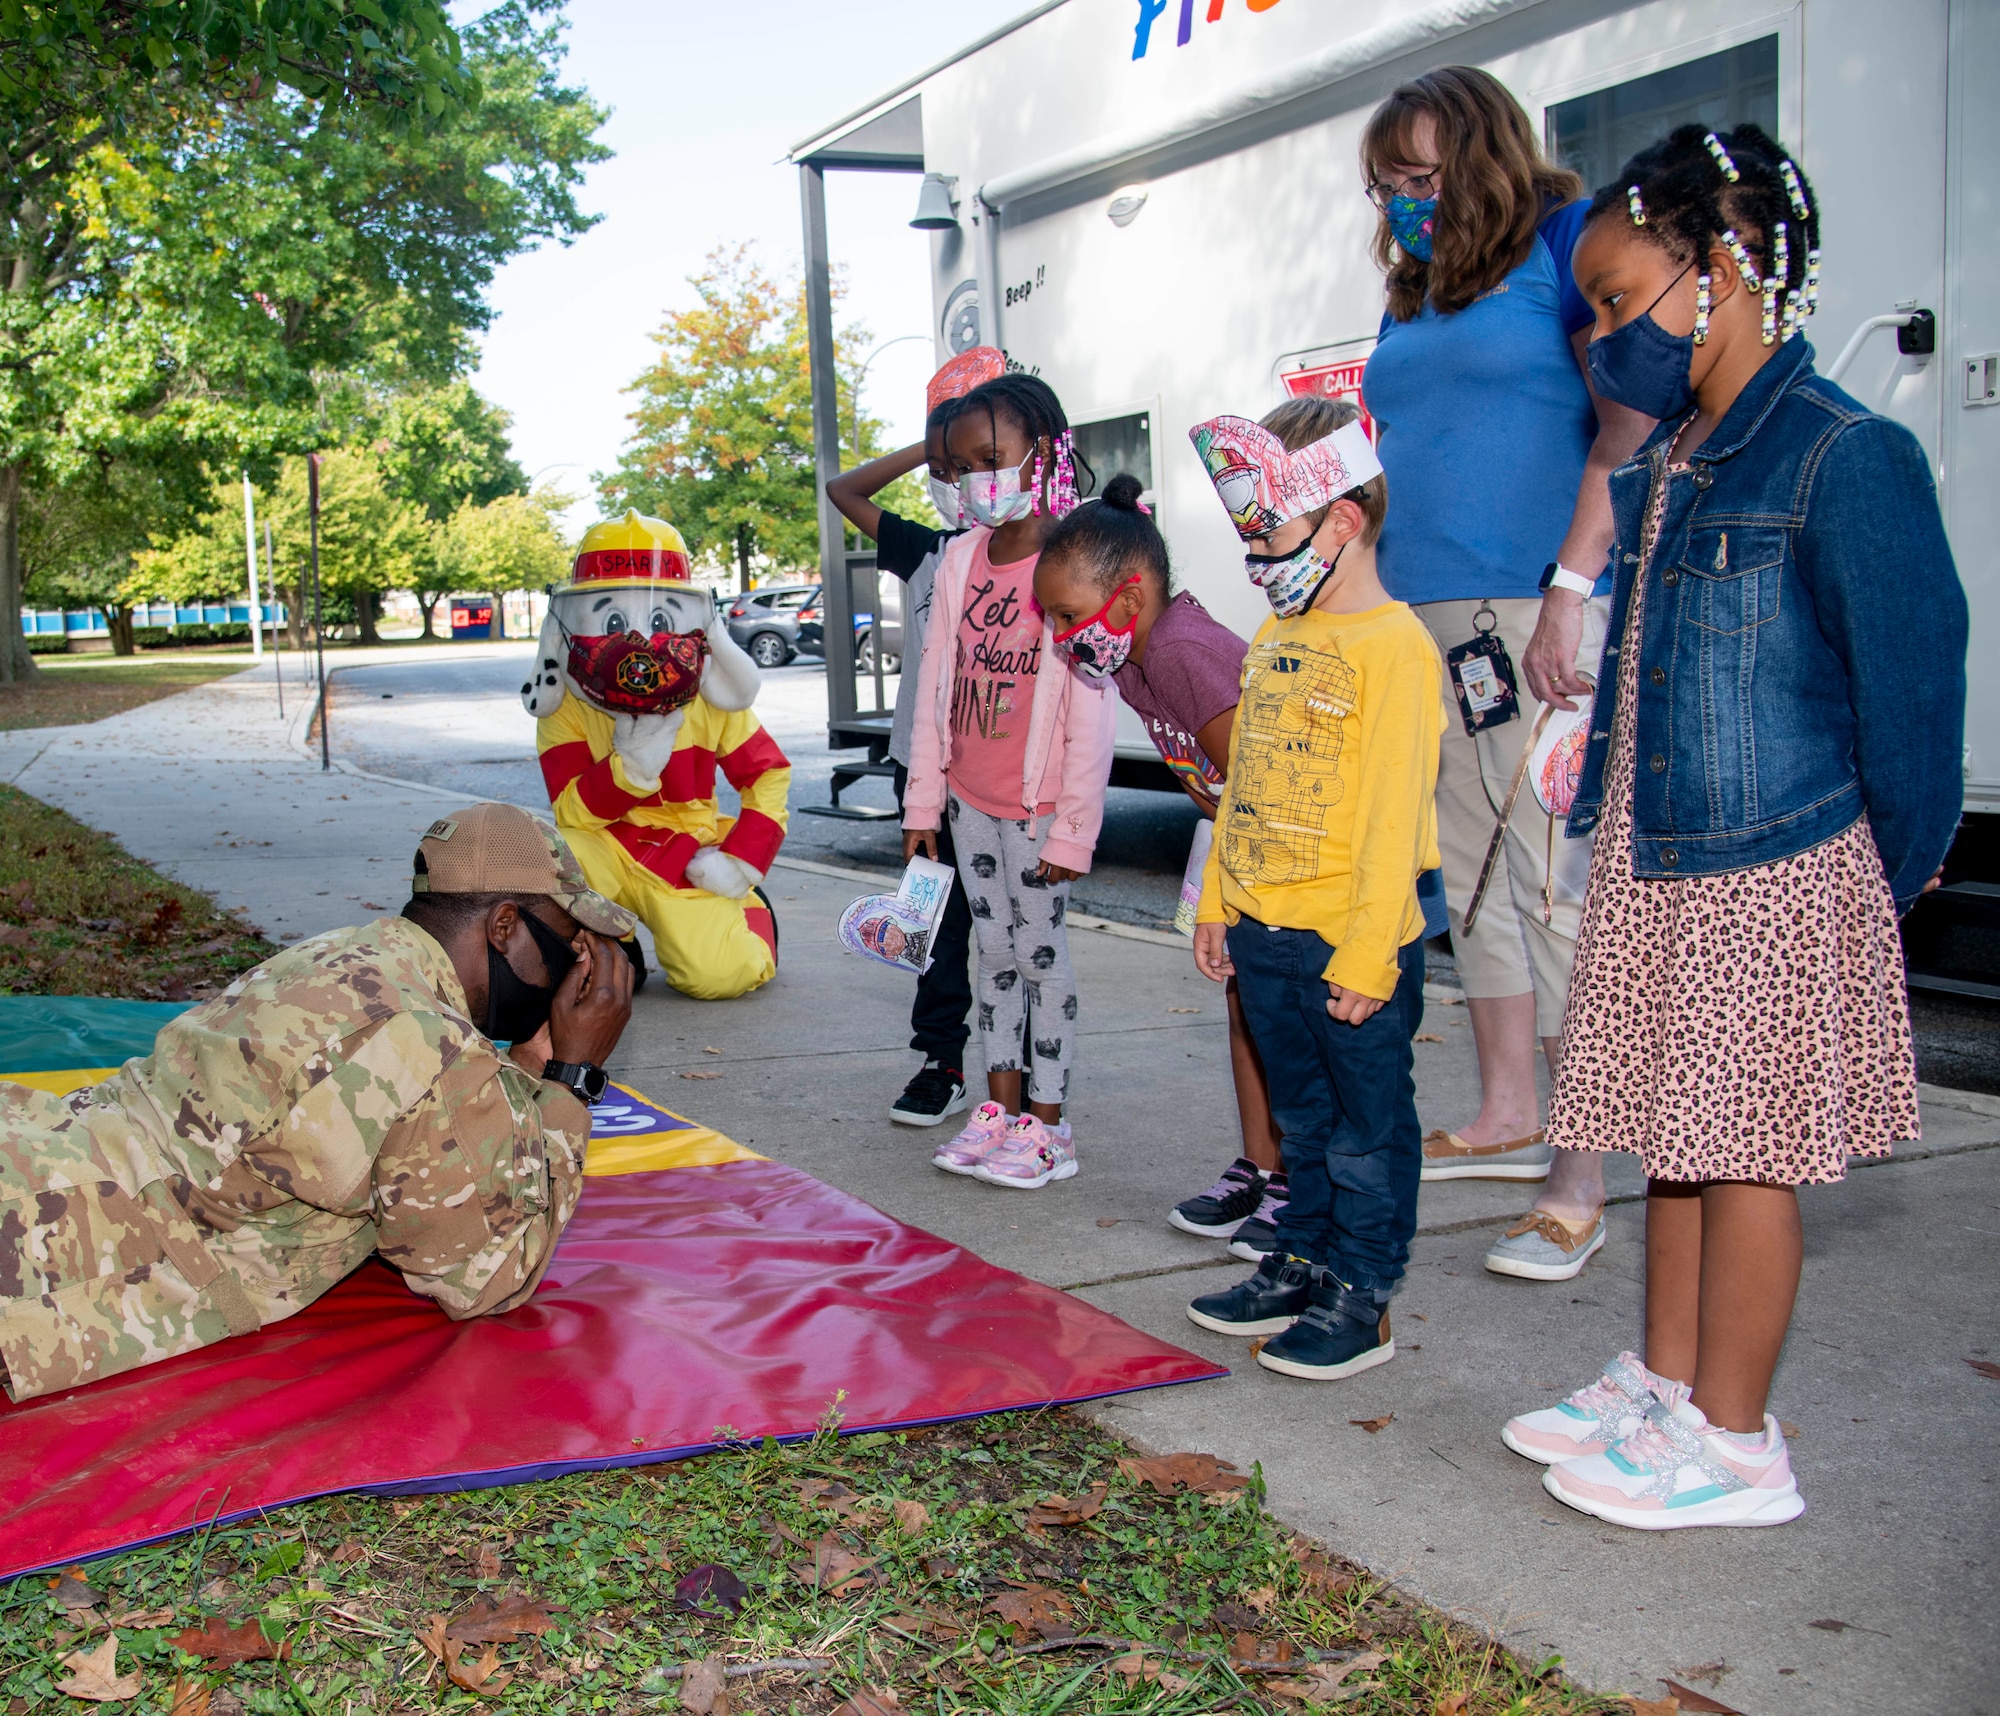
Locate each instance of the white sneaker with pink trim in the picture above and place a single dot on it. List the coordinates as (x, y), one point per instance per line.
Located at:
(984, 1133)
(1676, 1469)
(1596, 1416)
(1033, 1154)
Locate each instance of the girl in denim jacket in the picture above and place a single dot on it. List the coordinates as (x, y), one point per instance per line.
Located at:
(1775, 758)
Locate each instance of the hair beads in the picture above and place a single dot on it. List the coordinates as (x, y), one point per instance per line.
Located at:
(1062, 489)
(1635, 205)
(1744, 266)
(1702, 283)
(1722, 159)
(1794, 190)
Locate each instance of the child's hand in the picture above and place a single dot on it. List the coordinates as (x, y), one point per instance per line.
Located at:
(917, 840)
(1211, 952)
(1936, 882)
(1055, 872)
(1350, 1006)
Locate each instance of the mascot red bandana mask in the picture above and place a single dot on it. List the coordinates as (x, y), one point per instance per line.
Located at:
(638, 675)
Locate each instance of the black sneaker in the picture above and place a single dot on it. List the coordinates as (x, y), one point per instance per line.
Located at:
(936, 1091)
(1257, 1238)
(1219, 1210)
(1339, 1333)
(1263, 1305)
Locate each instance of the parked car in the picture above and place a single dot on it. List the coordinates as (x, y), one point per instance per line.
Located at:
(812, 630)
(766, 622)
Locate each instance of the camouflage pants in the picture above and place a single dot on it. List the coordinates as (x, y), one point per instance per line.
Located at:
(101, 1270)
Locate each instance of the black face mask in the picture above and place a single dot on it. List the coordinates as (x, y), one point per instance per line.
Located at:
(516, 1010)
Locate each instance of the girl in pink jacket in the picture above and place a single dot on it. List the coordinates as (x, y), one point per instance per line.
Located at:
(1016, 750)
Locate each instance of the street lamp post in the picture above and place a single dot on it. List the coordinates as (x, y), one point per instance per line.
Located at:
(855, 429)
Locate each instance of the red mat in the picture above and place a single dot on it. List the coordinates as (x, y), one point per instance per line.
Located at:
(683, 1308)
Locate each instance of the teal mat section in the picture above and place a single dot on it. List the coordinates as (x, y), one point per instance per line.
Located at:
(53, 1033)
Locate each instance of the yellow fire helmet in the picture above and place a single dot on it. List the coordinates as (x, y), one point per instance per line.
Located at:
(633, 549)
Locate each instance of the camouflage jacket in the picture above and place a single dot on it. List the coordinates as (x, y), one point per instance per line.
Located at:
(334, 1102)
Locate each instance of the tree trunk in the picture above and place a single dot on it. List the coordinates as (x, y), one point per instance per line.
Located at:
(16, 660)
(743, 560)
(120, 621)
(364, 617)
(299, 595)
(430, 611)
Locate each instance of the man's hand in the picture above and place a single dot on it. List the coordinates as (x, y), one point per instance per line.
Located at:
(644, 743)
(1211, 952)
(1550, 662)
(1350, 1006)
(534, 1054)
(917, 840)
(594, 1002)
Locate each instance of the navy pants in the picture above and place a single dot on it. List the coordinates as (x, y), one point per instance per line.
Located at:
(1344, 1102)
(938, 1028)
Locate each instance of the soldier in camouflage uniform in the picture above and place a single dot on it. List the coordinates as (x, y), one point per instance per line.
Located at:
(344, 1098)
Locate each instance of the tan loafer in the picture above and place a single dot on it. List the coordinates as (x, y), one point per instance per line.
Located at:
(1448, 1157)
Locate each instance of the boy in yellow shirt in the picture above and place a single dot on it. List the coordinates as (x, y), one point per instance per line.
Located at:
(1310, 897)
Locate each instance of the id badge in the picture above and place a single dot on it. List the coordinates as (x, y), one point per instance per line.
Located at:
(1482, 675)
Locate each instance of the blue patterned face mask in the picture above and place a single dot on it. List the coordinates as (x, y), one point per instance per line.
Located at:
(1410, 223)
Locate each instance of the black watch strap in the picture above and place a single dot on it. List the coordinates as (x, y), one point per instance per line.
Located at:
(582, 1078)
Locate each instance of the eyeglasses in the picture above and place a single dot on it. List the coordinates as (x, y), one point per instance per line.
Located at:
(1420, 187)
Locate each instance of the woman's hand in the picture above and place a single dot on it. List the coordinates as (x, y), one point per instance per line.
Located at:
(1211, 952)
(917, 840)
(1550, 661)
(1350, 1006)
(1056, 872)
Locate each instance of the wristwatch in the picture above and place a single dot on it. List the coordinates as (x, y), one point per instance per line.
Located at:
(1557, 576)
(587, 1081)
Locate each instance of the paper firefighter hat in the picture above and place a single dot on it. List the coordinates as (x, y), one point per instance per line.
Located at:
(962, 374)
(633, 549)
(1263, 486)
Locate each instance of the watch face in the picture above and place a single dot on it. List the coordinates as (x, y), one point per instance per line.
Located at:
(594, 1081)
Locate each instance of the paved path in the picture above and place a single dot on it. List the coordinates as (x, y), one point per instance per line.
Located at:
(1895, 1429)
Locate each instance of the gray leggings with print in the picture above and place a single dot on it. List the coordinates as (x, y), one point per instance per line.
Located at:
(1025, 977)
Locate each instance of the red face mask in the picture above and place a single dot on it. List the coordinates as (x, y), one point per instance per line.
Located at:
(639, 675)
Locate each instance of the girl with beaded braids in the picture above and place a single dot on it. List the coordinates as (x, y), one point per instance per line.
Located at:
(1775, 761)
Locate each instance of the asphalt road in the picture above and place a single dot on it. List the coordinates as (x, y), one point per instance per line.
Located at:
(460, 724)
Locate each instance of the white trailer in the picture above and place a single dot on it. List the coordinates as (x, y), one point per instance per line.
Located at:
(1156, 205)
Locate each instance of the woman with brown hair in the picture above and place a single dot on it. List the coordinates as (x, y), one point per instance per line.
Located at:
(1496, 451)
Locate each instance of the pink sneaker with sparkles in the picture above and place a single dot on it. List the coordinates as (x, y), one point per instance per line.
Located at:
(1033, 1154)
(1677, 1469)
(984, 1133)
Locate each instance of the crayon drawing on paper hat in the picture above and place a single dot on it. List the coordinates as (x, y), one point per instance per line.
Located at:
(1263, 486)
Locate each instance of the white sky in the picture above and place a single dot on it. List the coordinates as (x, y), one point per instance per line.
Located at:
(705, 100)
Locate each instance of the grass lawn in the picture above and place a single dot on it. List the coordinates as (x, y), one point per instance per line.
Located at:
(71, 689)
(1025, 1563)
(81, 916)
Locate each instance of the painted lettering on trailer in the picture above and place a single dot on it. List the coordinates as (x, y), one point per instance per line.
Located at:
(1332, 381)
(1021, 293)
(1151, 11)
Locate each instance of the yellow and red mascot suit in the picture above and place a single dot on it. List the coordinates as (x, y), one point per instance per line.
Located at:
(640, 696)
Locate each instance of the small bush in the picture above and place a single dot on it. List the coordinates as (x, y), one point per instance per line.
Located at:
(153, 637)
(47, 643)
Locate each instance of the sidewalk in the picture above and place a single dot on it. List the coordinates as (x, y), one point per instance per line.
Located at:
(1895, 1430)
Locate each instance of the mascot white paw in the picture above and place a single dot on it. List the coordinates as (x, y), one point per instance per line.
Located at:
(722, 873)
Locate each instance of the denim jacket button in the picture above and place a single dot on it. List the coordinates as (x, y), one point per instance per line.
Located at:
(1659, 676)
(1657, 763)
(1631, 560)
(1669, 857)
(1703, 476)
(1670, 576)
(1600, 735)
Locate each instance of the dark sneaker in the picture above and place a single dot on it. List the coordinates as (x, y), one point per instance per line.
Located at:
(1257, 1238)
(1340, 1333)
(1218, 1212)
(935, 1092)
(1263, 1305)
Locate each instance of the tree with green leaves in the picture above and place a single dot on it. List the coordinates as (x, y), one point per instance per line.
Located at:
(508, 544)
(722, 446)
(182, 280)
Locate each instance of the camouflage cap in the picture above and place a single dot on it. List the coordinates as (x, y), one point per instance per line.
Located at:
(501, 849)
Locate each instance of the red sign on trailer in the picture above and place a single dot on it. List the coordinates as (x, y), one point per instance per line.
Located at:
(1329, 372)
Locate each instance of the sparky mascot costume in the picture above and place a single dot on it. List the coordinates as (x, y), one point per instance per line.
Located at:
(640, 695)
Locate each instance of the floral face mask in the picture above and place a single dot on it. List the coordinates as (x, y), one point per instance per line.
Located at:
(634, 674)
(1094, 645)
(994, 498)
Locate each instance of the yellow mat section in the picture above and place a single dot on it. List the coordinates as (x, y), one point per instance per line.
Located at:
(631, 1134)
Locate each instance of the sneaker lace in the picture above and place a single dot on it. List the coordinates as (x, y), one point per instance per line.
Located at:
(1662, 1445)
(1232, 1182)
(1273, 1202)
(1619, 1389)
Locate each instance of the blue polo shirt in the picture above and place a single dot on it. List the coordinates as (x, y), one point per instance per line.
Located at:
(1483, 426)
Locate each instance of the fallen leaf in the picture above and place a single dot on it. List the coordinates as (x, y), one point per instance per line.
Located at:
(912, 1517)
(12, 935)
(513, 1617)
(1321, 1681)
(1237, 1617)
(1169, 1474)
(1260, 1599)
(1831, 1626)
(138, 1620)
(1451, 1704)
(190, 1698)
(707, 1050)
(705, 1687)
(72, 1591)
(1374, 1425)
(96, 1678)
(348, 1552)
(1433, 1037)
(486, 1562)
(1788, 1427)
(1985, 1367)
(223, 1702)
(1653, 1706)
(1108, 1221)
(700, 1075)
(431, 1636)
(1319, 1573)
(941, 1567)
(1712, 1672)
(485, 1677)
(1036, 1609)
(709, 1583)
(1699, 1701)
(1183, 1009)
(869, 1702)
(1060, 1510)
(834, 1568)
(1135, 1666)
(218, 1641)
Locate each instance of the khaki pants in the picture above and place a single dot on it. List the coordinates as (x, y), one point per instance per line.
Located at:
(1510, 951)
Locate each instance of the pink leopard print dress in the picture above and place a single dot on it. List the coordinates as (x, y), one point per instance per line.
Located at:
(1749, 1026)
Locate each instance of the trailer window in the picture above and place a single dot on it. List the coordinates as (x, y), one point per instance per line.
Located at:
(1594, 135)
(1111, 445)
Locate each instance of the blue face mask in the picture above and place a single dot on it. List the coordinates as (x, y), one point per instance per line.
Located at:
(1410, 222)
(1643, 367)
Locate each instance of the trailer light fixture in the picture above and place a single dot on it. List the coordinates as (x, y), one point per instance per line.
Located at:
(936, 210)
(1126, 204)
